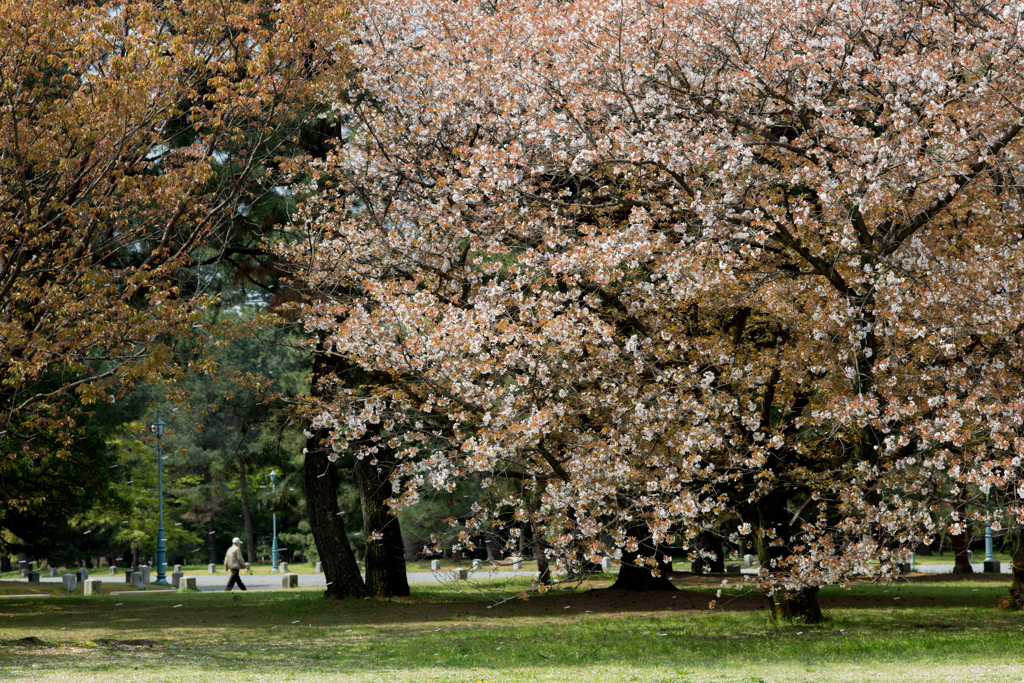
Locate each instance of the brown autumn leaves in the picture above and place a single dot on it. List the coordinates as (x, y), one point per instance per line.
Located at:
(131, 137)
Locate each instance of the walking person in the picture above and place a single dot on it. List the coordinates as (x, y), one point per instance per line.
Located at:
(234, 563)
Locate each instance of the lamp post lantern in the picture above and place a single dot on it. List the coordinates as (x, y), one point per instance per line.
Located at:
(161, 546)
(273, 541)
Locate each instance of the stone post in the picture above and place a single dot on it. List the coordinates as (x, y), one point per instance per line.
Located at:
(319, 567)
(83, 573)
(213, 569)
(69, 581)
(177, 568)
(477, 564)
(144, 571)
(176, 579)
(92, 587)
(53, 572)
(188, 583)
(33, 577)
(748, 561)
(517, 564)
(289, 580)
(283, 566)
(435, 565)
(137, 580)
(606, 564)
(461, 574)
(113, 570)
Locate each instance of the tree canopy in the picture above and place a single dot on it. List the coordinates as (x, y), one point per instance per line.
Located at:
(132, 137)
(752, 267)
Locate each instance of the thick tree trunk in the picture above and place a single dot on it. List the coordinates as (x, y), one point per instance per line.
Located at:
(543, 567)
(385, 557)
(493, 548)
(799, 605)
(709, 542)
(1017, 567)
(796, 606)
(339, 563)
(961, 563)
(634, 577)
(250, 541)
(320, 477)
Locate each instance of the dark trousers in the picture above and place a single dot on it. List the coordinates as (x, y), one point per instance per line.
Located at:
(235, 580)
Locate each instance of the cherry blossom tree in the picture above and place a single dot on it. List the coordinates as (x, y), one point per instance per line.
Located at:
(674, 267)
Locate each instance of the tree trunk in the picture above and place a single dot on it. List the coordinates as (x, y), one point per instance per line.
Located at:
(250, 541)
(543, 568)
(385, 557)
(1017, 567)
(961, 563)
(493, 548)
(796, 605)
(709, 542)
(320, 477)
(801, 605)
(211, 537)
(634, 577)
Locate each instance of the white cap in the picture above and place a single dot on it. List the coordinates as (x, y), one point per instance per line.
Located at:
(236, 539)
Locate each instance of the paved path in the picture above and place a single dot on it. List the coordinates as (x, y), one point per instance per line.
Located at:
(209, 583)
(1004, 568)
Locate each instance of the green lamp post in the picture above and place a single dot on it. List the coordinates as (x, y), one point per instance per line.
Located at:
(273, 541)
(161, 546)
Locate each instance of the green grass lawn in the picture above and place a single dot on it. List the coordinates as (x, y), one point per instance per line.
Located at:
(912, 632)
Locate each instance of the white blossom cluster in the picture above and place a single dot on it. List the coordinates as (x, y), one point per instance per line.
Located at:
(652, 269)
